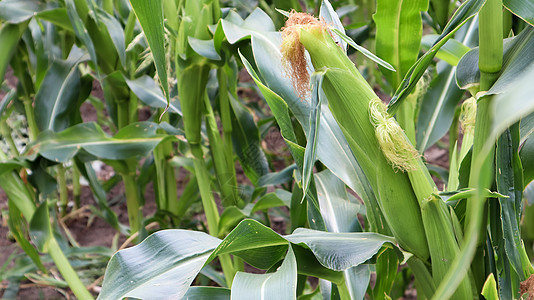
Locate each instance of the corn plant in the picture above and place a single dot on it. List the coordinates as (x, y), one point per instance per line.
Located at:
(459, 242)
(58, 50)
(447, 69)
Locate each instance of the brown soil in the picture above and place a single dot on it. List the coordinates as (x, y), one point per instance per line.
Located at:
(527, 286)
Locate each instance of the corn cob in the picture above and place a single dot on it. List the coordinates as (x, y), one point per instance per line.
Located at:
(350, 101)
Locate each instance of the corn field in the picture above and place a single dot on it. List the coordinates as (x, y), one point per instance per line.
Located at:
(267, 149)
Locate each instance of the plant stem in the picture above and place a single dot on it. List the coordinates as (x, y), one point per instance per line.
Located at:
(76, 188)
(228, 268)
(490, 45)
(226, 120)
(66, 270)
(30, 117)
(210, 208)
(225, 172)
(170, 189)
(122, 114)
(132, 202)
(160, 178)
(490, 63)
(204, 186)
(63, 191)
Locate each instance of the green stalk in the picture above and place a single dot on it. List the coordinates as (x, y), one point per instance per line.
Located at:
(30, 117)
(132, 109)
(490, 63)
(490, 45)
(210, 208)
(228, 268)
(172, 194)
(123, 116)
(453, 133)
(225, 173)
(132, 202)
(204, 186)
(159, 162)
(66, 270)
(63, 191)
(226, 120)
(76, 188)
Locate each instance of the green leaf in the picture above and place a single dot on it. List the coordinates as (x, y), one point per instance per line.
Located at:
(257, 23)
(132, 140)
(364, 51)
(509, 181)
(115, 31)
(10, 35)
(57, 98)
(340, 251)
(521, 8)
(329, 15)
(518, 57)
(150, 16)
(339, 213)
(79, 29)
(14, 164)
(205, 48)
(451, 52)
(438, 107)
(17, 227)
(489, 290)
(207, 292)
(57, 16)
(465, 12)
(257, 244)
(440, 100)
(18, 11)
(276, 199)
(310, 154)
(40, 229)
(100, 195)
(163, 265)
(527, 159)
(149, 93)
(526, 127)
(246, 142)
(399, 29)
(281, 284)
(513, 104)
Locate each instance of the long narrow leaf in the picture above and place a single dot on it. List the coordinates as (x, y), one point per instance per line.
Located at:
(398, 34)
(150, 16)
(465, 12)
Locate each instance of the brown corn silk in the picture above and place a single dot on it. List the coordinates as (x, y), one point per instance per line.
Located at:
(293, 52)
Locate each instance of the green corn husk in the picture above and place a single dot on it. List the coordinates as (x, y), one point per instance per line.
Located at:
(350, 104)
(443, 244)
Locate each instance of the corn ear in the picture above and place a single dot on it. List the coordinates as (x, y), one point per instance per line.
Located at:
(349, 100)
